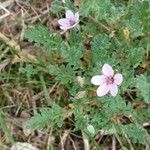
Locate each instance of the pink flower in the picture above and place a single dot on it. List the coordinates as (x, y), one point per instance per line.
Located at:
(70, 21)
(107, 82)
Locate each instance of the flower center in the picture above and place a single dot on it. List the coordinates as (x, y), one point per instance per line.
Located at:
(72, 22)
(109, 80)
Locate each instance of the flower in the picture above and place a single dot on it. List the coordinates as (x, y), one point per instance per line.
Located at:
(70, 21)
(107, 82)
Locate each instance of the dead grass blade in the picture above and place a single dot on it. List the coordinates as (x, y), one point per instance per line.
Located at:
(3, 64)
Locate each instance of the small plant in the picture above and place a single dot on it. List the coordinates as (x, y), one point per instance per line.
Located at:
(81, 52)
(112, 41)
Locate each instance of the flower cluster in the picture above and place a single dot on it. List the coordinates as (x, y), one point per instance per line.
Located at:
(107, 82)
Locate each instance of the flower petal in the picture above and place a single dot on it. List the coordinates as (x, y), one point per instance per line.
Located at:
(70, 15)
(66, 28)
(64, 22)
(98, 80)
(102, 90)
(118, 78)
(107, 70)
(77, 16)
(113, 89)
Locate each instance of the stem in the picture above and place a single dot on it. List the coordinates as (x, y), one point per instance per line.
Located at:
(113, 143)
(101, 25)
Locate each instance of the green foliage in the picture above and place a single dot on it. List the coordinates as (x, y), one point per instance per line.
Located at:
(99, 8)
(135, 56)
(137, 18)
(143, 86)
(110, 108)
(28, 71)
(142, 116)
(75, 38)
(100, 48)
(64, 74)
(104, 119)
(81, 119)
(72, 50)
(48, 117)
(41, 36)
(117, 105)
(4, 127)
(72, 54)
(115, 14)
(56, 6)
(137, 134)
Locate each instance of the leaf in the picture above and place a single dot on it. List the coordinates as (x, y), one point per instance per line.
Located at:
(56, 6)
(38, 34)
(42, 37)
(137, 134)
(116, 105)
(99, 8)
(137, 18)
(135, 56)
(47, 117)
(63, 74)
(75, 38)
(28, 70)
(143, 86)
(72, 54)
(100, 46)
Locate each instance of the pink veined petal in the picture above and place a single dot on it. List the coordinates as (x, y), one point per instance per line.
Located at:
(67, 27)
(64, 28)
(118, 78)
(113, 89)
(77, 16)
(102, 90)
(107, 70)
(70, 15)
(64, 22)
(98, 79)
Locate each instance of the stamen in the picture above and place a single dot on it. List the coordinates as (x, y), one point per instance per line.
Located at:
(109, 80)
(72, 22)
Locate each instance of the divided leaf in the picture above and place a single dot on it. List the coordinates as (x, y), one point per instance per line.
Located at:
(72, 54)
(47, 117)
(143, 86)
(42, 37)
(101, 48)
(63, 74)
